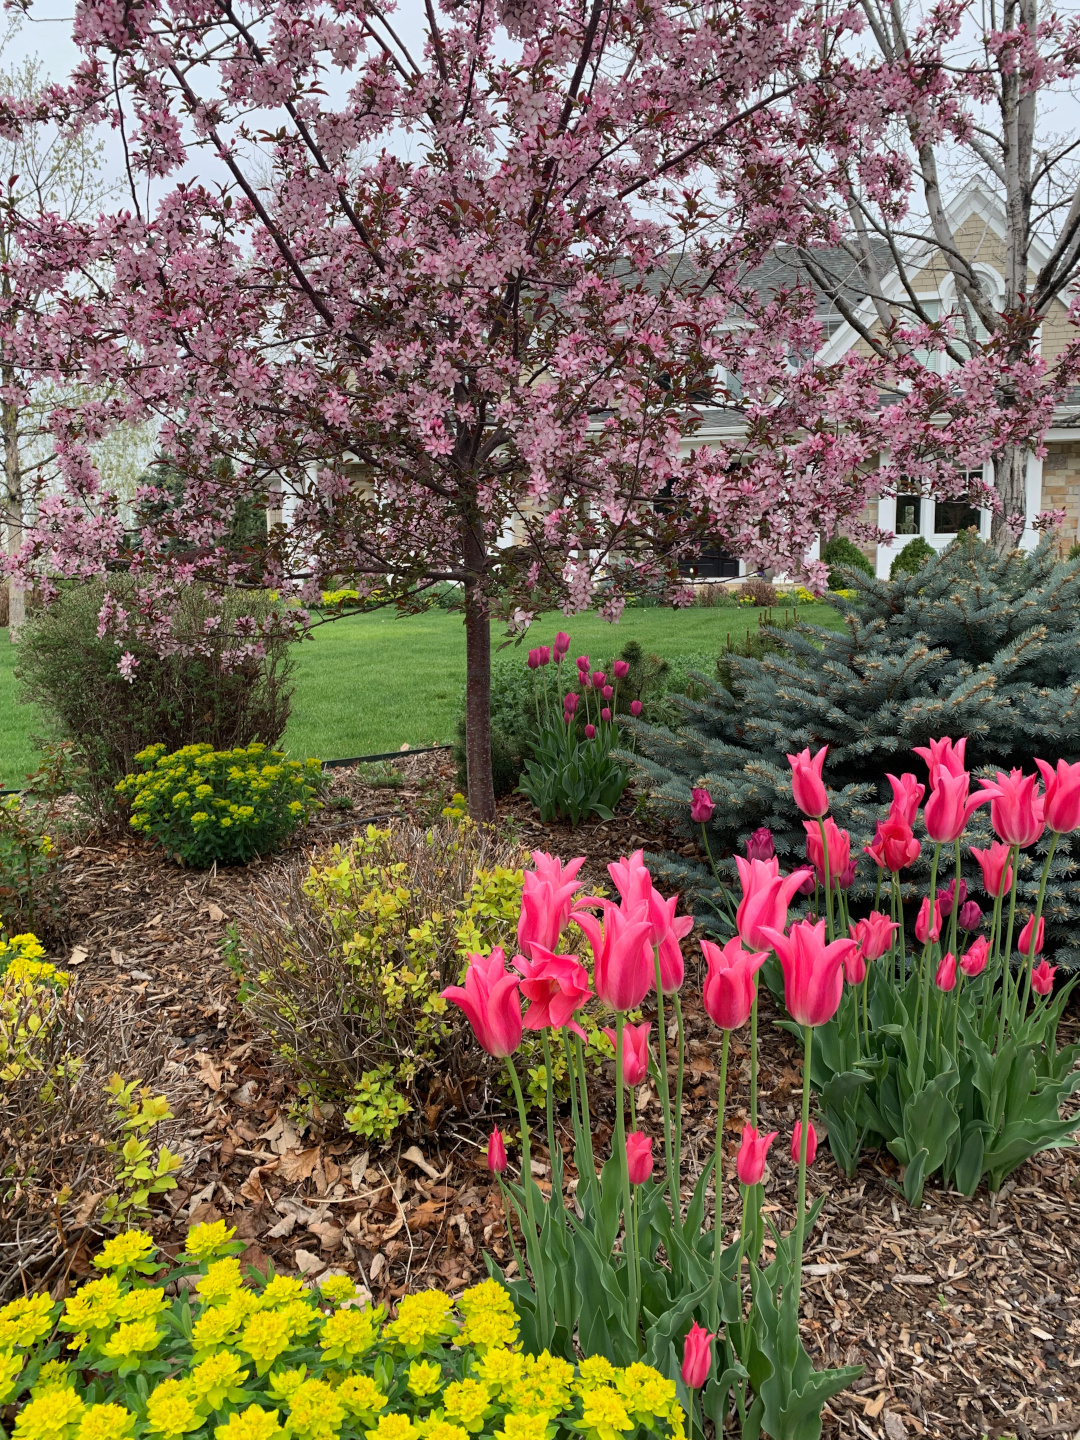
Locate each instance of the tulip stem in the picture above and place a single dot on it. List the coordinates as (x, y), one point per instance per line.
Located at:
(753, 1054)
(923, 999)
(865, 1010)
(665, 1092)
(1006, 971)
(708, 851)
(506, 1198)
(539, 1278)
(549, 1075)
(679, 1068)
(586, 1113)
(804, 1135)
(830, 929)
(955, 903)
(718, 1175)
(624, 1172)
(1035, 925)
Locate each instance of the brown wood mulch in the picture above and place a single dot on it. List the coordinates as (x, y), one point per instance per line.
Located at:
(965, 1314)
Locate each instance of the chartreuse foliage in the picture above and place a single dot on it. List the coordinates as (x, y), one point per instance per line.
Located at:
(976, 643)
(273, 1360)
(30, 989)
(205, 806)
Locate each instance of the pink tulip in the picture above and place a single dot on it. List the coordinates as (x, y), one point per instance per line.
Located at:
(759, 845)
(583, 662)
(766, 898)
(631, 878)
(973, 961)
(496, 1154)
(907, 796)
(590, 732)
(838, 843)
(668, 929)
(855, 967)
(846, 878)
(813, 971)
(945, 979)
(946, 896)
(556, 986)
(635, 708)
(753, 1148)
(943, 755)
(622, 956)
(996, 872)
(607, 692)
(562, 643)
(639, 1157)
(970, 917)
(808, 885)
(796, 1143)
(1042, 978)
(701, 806)
(605, 714)
(728, 992)
(807, 785)
(491, 1003)
(1024, 942)
(928, 927)
(621, 668)
(599, 679)
(533, 660)
(570, 703)
(1016, 807)
(547, 894)
(544, 655)
(874, 935)
(894, 847)
(697, 1357)
(635, 1051)
(950, 807)
(1062, 799)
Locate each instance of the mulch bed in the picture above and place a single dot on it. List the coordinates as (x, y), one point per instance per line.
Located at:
(965, 1314)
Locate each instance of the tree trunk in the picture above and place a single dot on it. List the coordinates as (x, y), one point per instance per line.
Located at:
(1010, 482)
(478, 706)
(13, 505)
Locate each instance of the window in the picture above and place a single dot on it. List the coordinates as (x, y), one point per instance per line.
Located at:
(908, 514)
(952, 516)
(711, 564)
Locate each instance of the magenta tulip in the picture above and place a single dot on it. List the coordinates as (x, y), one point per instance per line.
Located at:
(590, 732)
(894, 847)
(946, 896)
(491, 1003)
(796, 1143)
(621, 669)
(534, 659)
(728, 992)
(970, 916)
(635, 1053)
(544, 655)
(766, 897)
(837, 844)
(1025, 941)
(1042, 978)
(496, 1152)
(639, 1157)
(753, 1148)
(950, 806)
(607, 692)
(945, 979)
(1016, 807)
(631, 878)
(599, 679)
(874, 935)
(759, 845)
(855, 967)
(562, 643)
(635, 708)
(973, 961)
(556, 986)
(546, 898)
(927, 926)
(1062, 799)
(605, 714)
(907, 796)
(996, 871)
(583, 662)
(813, 971)
(943, 755)
(668, 930)
(701, 806)
(570, 703)
(622, 955)
(807, 785)
(697, 1357)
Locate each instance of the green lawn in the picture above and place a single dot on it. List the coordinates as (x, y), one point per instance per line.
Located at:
(374, 682)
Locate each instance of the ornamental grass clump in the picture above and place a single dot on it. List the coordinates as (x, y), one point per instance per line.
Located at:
(276, 1360)
(225, 807)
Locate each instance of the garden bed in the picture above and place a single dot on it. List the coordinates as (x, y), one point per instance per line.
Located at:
(964, 1313)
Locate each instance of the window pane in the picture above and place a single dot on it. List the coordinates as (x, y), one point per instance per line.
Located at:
(908, 512)
(951, 516)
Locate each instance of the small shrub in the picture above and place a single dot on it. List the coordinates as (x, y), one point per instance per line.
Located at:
(231, 1359)
(760, 592)
(343, 966)
(840, 554)
(206, 806)
(912, 558)
(575, 777)
(139, 1173)
(71, 675)
(29, 894)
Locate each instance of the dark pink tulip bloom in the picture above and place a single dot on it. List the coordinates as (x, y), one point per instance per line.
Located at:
(607, 692)
(766, 897)
(927, 926)
(562, 643)
(728, 992)
(950, 807)
(907, 796)
(807, 785)
(635, 708)
(639, 1157)
(1062, 800)
(623, 969)
(605, 714)
(970, 916)
(533, 660)
(753, 1148)
(855, 967)
(813, 971)
(557, 985)
(1016, 807)
(874, 935)
(599, 680)
(590, 732)
(570, 703)
(701, 806)
(668, 929)
(759, 845)
(973, 961)
(943, 755)
(996, 872)
(543, 655)
(894, 847)
(1024, 943)
(1042, 978)
(945, 979)
(839, 848)
(635, 1051)
(491, 1003)
(697, 1357)
(796, 1143)
(496, 1154)
(621, 668)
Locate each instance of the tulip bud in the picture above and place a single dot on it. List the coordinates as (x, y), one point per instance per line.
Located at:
(847, 876)
(570, 704)
(639, 1157)
(562, 643)
(946, 896)
(796, 1143)
(927, 927)
(701, 806)
(543, 655)
(753, 1148)
(807, 786)
(945, 979)
(583, 662)
(854, 967)
(1042, 978)
(605, 714)
(970, 916)
(635, 708)
(1025, 938)
(635, 1055)
(974, 961)
(759, 845)
(590, 732)
(607, 692)
(697, 1357)
(599, 680)
(533, 660)
(496, 1157)
(621, 668)
(807, 886)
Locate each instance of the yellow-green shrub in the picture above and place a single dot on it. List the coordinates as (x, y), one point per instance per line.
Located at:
(343, 964)
(277, 1361)
(226, 806)
(30, 994)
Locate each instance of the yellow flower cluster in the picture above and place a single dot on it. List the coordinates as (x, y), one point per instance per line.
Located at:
(204, 805)
(29, 987)
(286, 1360)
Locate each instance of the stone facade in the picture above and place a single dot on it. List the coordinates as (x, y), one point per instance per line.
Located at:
(1061, 487)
